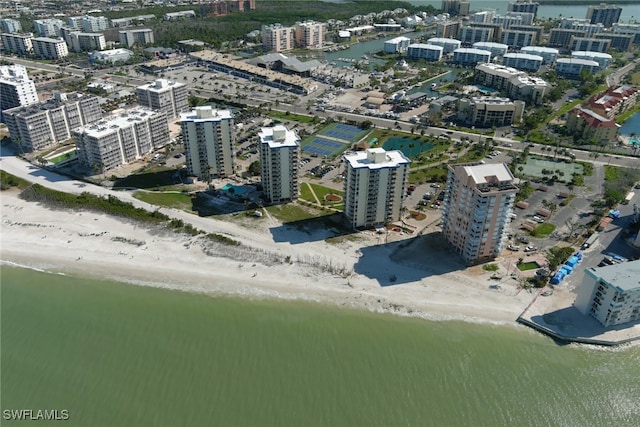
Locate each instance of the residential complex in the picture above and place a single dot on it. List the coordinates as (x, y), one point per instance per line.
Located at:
(606, 14)
(548, 54)
(527, 6)
(278, 38)
(88, 23)
(615, 100)
(456, 7)
(110, 56)
(38, 126)
(16, 88)
(428, 52)
(48, 27)
(590, 44)
(374, 186)
(471, 35)
(448, 29)
(523, 61)
(124, 137)
(164, 95)
(309, 34)
(518, 84)
(572, 67)
(471, 56)
(488, 111)
(448, 45)
(518, 39)
(611, 294)
(603, 59)
(496, 49)
(587, 125)
(561, 38)
(208, 142)
(8, 25)
(48, 48)
(17, 43)
(279, 160)
(477, 204)
(84, 42)
(397, 45)
(138, 37)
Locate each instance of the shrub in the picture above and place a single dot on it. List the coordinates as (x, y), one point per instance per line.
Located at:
(490, 267)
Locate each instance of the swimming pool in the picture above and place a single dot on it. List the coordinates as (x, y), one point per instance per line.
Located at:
(236, 189)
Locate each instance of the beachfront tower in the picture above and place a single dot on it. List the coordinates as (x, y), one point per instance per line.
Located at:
(279, 156)
(374, 186)
(611, 294)
(475, 216)
(208, 142)
(16, 88)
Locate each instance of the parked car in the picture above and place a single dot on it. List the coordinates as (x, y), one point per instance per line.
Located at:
(513, 247)
(524, 239)
(434, 185)
(530, 249)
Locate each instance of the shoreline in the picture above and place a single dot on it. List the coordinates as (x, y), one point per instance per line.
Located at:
(88, 244)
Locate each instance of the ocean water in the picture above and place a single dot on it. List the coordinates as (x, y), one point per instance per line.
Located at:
(115, 354)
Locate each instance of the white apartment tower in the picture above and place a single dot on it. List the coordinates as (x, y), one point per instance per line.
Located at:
(48, 48)
(121, 138)
(475, 217)
(309, 34)
(38, 126)
(278, 38)
(279, 155)
(48, 27)
(164, 95)
(17, 43)
(208, 142)
(374, 186)
(138, 37)
(611, 294)
(16, 88)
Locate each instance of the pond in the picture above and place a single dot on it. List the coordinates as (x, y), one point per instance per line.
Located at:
(410, 147)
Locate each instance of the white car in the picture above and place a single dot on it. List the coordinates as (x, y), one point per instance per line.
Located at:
(530, 249)
(513, 247)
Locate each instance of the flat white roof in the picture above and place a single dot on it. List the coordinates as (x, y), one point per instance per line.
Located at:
(524, 56)
(590, 54)
(392, 159)
(480, 173)
(490, 45)
(443, 40)
(625, 276)
(542, 49)
(160, 85)
(118, 121)
(578, 61)
(205, 114)
(472, 50)
(278, 137)
(426, 46)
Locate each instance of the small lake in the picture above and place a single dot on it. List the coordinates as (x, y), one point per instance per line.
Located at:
(631, 125)
(410, 147)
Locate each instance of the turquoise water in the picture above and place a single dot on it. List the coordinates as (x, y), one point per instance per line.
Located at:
(631, 125)
(121, 355)
(236, 189)
(410, 147)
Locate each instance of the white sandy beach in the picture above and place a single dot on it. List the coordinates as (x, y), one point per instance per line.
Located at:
(428, 283)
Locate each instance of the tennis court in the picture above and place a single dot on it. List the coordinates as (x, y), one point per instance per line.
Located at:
(323, 146)
(343, 132)
(535, 167)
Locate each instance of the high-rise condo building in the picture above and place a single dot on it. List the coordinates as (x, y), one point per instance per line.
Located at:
(48, 48)
(279, 155)
(16, 88)
(17, 43)
(138, 37)
(309, 34)
(526, 6)
(456, 7)
(208, 142)
(164, 95)
(278, 38)
(477, 203)
(121, 138)
(606, 14)
(611, 294)
(374, 186)
(48, 27)
(8, 25)
(38, 126)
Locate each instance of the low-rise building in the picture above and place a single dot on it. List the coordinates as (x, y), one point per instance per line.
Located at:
(111, 56)
(548, 54)
(85, 42)
(183, 14)
(538, 30)
(611, 294)
(120, 138)
(488, 111)
(523, 61)
(561, 38)
(619, 42)
(8, 25)
(41, 125)
(374, 187)
(471, 35)
(572, 67)
(614, 101)
(471, 56)
(589, 125)
(627, 30)
(428, 52)
(496, 49)
(397, 45)
(279, 162)
(517, 39)
(448, 45)
(603, 59)
(518, 84)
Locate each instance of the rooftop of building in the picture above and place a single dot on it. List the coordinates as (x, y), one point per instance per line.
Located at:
(50, 104)
(443, 40)
(279, 137)
(491, 100)
(426, 46)
(542, 49)
(527, 56)
(160, 85)
(489, 174)
(624, 276)
(472, 50)
(48, 40)
(594, 119)
(118, 120)
(491, 45)
(577, 61)
(590, 54)
(377, 158)
(206, 114)
(499, 68)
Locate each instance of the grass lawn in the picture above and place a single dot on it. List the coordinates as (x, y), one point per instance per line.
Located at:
(292, 212)
(437, 173)
(293, 117)
(321, 191)
(524, 266)
(306, 194)
(543, 230)
(171, 200)
(62, 157)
